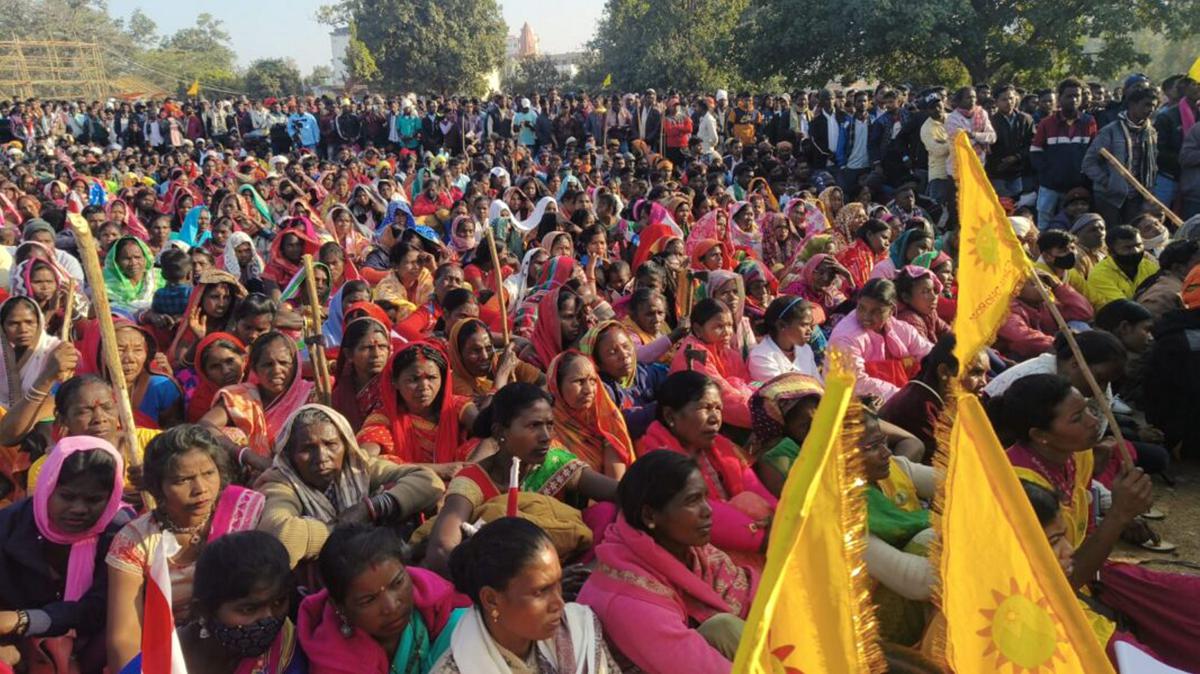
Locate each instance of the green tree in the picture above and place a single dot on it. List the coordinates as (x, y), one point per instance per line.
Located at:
(1035, 41)
(273, 77)
(534, 74)
(686, 44)
(200, 52)
(448, 46)
(360, 63)
(141, 29)
(321, 76)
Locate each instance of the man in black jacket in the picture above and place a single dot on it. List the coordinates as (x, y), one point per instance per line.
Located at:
(1008, 161)
(824, 141)
(1169, 125)
(431, 127)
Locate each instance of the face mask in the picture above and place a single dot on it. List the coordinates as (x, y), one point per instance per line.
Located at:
(1156, 242)
(247, 640)
(1129, 260)
(1064, 261)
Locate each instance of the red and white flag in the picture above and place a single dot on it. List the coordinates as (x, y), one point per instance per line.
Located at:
(160, 644)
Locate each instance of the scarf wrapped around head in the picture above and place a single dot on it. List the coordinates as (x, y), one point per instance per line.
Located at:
(899, 246)
(1191, 289)
(353, 481)
(653, 240)
(848, 220)
(826, 199)
(398, 213)
(592, 430)
(253, 204)
(703, 248)
(190, 232)
(82, 558)
(404, 442)
(21, 280)
(206, 390)
(591, 339)
(454, 350)
(208, 279)
(529, 224)
(547, 333)
(132, 225)
(550, 238)
(122, 292)
(742, 240)
(517, 285)
(230, 260)
(770, 404)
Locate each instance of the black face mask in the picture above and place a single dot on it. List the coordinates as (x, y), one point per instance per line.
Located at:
(1064, 261)
(1128, 260)
(247, 640)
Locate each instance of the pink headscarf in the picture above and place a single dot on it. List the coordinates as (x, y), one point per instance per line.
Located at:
(82, 561)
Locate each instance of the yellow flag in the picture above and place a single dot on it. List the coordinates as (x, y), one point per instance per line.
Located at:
(1194, 71)
(813, 611)
(607, 81)
(1007, 604)
(195, 88)
(991, 263)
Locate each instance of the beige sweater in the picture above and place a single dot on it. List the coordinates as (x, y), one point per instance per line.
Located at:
(414, 488)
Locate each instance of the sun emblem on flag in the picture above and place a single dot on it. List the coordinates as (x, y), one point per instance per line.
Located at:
(1021, 632)
(779, 658)
(987, 246)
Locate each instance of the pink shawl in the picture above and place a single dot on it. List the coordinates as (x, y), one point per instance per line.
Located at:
(82, 561)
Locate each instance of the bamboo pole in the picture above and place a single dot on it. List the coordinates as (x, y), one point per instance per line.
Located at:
(1098, 394)
(1137, 185)
(108, 339)
(683, 294)
(68, 311)
(487, 231)
(315, 346)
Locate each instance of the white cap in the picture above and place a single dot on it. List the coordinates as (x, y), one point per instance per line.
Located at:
(722, 95)
(524, 102)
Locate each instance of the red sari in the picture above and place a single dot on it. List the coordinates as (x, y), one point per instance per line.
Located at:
(206, 389)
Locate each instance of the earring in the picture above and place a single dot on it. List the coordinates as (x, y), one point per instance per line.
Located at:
(345, 628)
(650, 525)
(495, 615)
(203, 629)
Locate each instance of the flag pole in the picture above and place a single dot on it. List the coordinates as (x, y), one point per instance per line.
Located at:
(1098, 393)
(315, 345)
(1141, 189)
(487, 231)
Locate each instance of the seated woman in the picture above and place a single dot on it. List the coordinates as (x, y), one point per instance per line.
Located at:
(631, 385)
(187, 473)
(561, 321)
(657, 563)
(869, 248)
(917, 406)
(907, 247)
(320, 477)
(242, 596)
(883, 351)
(518, 424)
(727, 287)
(251, 414)
(1029, 328)
(899, 534)
(41, 278)
(157, 399)
(419, 419)
(53, 588)
(130, 277)
(376, 615)
(27, 347)
(479, 369)
(500, 568)
(585, 419)
(689, 422)
(818, 282)
(220, 362)
(287, 254)
(917, 291)
(790, 323)
(647, 325)
(783, 410)
(210, 309)
(1055, 431)
(709, 350)
(364, 353)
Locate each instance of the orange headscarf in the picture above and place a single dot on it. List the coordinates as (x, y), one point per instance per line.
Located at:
(1191, 289)
(588, 432)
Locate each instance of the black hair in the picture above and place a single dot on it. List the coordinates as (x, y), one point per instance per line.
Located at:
(355, 287)
(507, 404)
(331, 250)
(236, 565)
(706, 309)
(905, 282)
(168, 446)
(66, 393)
(1178, 253)
(871, 226)
(1140, 94)
(176, 265)
(642, 296)
(94, 467)
(358, 330)
(414, 352)
(260, 344)
(880, 290)
(1068, 83)
(1054, 238)
(352, 549)
(681, 388)
(444, 268)
(942, 353)
(590, 233)
(1045, 502)
(399, 250)
(8, 307)
(1113, 314)
(652, 481)
(1097, 347)
(1120, 233)
(1028, 404)
(456, 298)
(495, 555)
(253, 306)
(568, 357)
(197, 251)
(784, 309)
(218, 344)
(470, 326)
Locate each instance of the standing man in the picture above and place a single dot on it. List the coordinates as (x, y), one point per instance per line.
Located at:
(431, 128)
(1059, 144)
(937, 146)
(1170, 126)
(826, 129)
(1133, 142)
(1008, 162)
(853, 148)
(524, 123)
(649, 120)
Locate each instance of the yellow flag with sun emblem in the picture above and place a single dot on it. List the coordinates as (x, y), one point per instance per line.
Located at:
(813, 611)
(1007, 604)
(991, 263)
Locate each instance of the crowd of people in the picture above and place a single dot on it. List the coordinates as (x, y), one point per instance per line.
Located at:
(574, 346)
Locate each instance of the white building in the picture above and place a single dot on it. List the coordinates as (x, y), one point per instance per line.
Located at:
(339, 40)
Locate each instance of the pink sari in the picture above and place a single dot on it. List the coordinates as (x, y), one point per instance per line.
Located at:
(260, 424)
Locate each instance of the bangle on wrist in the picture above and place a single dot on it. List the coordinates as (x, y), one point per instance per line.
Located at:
(22, 623)
(241, 455)
(370, 508)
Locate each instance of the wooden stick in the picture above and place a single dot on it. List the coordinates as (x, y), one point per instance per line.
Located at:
(315, 346)
(487, 231)
(1137, 185)
(1098, 394)
(108, 340)
(683, 294)
(68, 310)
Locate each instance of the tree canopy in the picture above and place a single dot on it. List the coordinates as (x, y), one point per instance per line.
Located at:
(449, 46)
(273, 77)
(533, 74)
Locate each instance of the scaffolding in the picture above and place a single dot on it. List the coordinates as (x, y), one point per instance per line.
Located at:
(52, 69)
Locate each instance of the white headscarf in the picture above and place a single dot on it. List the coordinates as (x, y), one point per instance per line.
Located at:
(352, 484)
(229, 259)
(16, 378)
(531, 223)
(517, 285)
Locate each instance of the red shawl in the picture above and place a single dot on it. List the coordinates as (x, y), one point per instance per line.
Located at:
(404, 442)
(722, 458)
(206, 390)
(547, 334)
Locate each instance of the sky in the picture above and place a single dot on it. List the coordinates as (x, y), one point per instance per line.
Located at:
(276, 28)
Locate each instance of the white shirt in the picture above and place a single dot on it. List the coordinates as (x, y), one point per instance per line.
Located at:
(831, 130)
(767, 361)
(707, 133)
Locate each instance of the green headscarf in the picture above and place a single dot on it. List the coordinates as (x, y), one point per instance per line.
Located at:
(121, 291)
(259, 204)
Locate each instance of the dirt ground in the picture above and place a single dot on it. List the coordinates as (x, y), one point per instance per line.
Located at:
(1181, 504)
